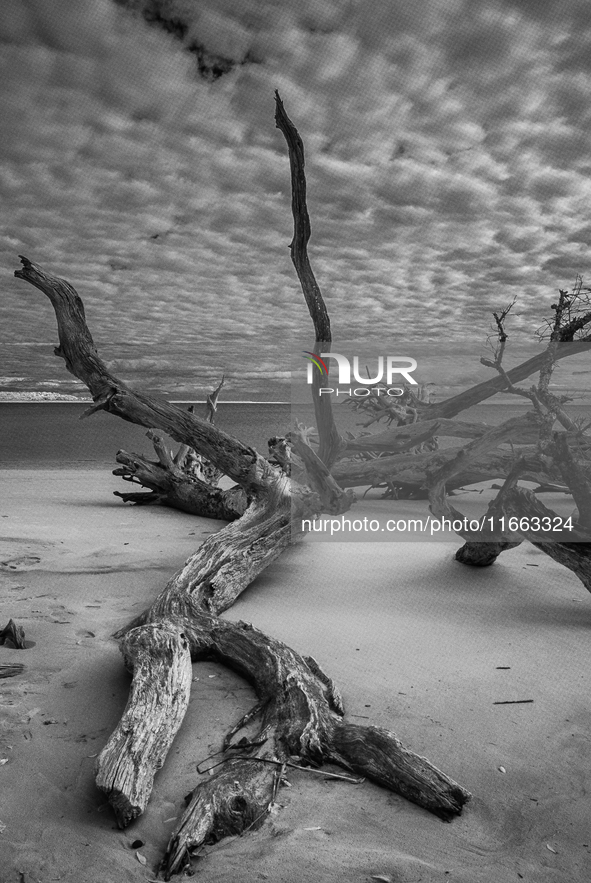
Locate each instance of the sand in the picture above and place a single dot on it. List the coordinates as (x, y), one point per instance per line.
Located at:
(416, 642)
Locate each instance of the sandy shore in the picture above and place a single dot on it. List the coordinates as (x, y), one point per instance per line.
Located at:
(417, 643)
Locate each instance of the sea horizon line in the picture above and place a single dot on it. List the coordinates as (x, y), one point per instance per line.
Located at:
(41, 401)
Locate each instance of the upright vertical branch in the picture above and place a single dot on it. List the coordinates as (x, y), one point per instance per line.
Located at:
(302, 229)
(330, 440)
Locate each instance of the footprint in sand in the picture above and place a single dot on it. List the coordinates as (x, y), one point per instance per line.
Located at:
(20, 563)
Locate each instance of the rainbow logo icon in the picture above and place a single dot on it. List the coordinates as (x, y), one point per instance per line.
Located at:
(316, 360)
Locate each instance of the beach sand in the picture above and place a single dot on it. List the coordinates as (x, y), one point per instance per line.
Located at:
(416, 642)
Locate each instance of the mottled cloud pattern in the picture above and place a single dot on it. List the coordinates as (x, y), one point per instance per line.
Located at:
(448, 154)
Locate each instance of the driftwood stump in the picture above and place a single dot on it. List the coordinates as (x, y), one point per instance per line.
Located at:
(13, 635)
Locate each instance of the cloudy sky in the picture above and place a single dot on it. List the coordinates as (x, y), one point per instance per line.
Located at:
(448, 147)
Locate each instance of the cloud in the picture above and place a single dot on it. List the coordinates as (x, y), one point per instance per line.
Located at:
(447, 161)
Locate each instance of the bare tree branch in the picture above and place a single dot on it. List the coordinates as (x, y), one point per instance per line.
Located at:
(330, 439)
(77, 348)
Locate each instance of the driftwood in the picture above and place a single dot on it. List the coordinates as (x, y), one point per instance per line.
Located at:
(488, 388)
(11, 669)
(300, 712)
(522, 506)
(183, 480)
(298, 718)
(13, 635)
(575, 553)
(411, 470)
(481, 553)
(567, 454)
(159, 658)
(403, 437)
(418, 424)
(172, 485)
(521, 503)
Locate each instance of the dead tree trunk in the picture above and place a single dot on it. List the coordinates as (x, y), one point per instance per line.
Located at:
(298, 709)
(185, 480)
(482, 548)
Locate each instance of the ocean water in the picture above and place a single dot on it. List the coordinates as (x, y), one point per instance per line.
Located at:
(51, 434)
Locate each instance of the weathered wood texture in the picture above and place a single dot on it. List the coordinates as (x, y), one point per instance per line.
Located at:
(159, 658)
(333, 499)
(513, 502)
(298, 718)
(227, 562)
(171, 485)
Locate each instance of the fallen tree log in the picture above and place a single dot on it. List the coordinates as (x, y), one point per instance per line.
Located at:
(171, 485)
(516, 507)
(519, 506)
